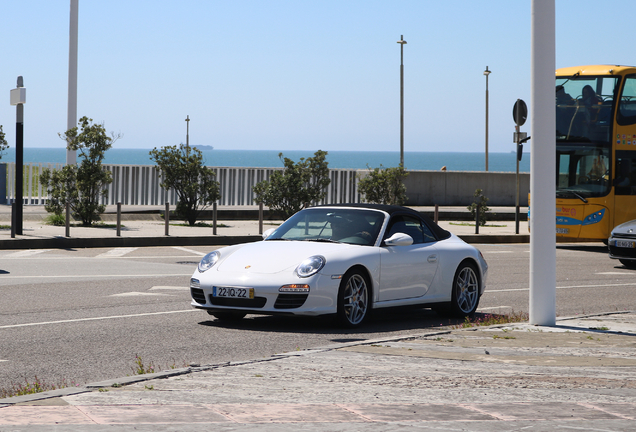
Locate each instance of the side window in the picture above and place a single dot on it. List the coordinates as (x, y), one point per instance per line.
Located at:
(625, 179)
(627, 106)
(411, 226)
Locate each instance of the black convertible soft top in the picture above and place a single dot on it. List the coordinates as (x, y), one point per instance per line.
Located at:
(440, 232)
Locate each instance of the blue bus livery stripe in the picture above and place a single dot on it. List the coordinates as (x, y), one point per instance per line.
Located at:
(592, 219)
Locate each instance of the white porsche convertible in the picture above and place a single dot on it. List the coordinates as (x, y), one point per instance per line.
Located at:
(344, 260)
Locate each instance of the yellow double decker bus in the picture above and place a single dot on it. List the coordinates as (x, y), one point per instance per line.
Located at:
(595, 150)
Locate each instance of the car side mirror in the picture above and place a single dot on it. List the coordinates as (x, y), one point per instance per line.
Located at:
(268, 233)
(399, 239)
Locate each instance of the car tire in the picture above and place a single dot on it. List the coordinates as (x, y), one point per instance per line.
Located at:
(630, 264)
(228, 316)
(465, 296)
(354, 299)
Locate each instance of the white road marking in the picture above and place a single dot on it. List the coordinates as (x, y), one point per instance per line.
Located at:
(494, 308)
(137, 294)
(97, 318)
(25, 253)
(53, 258)
(117, 252)
(613, 273)
(177, 288)
(564, 287)
(94, 276)
(190, 250)
(506, 290)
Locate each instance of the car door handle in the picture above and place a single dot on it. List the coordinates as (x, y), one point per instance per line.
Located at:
(432, 259)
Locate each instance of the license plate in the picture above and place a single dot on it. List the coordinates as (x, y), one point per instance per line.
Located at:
(624, 244)
(232, 292)
(563, 230)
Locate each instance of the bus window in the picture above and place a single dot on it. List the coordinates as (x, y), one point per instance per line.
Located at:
(583, 171)
(625, 180)
(563, 164)
(627, 107)
(584, 108)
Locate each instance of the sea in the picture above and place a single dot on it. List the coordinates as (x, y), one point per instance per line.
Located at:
(419, 161)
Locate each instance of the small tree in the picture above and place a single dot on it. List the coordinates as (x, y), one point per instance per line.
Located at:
(299, 184)
(84, 185)
(384, 186)
(3, 142)
(182, 170)
(62, 188)
(483, 208)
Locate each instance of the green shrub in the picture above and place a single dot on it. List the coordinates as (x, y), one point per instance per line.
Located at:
(182, 169)
(384, 186)
(298, 185)
(480, 200)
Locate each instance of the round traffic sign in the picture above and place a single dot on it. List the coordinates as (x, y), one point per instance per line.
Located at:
(520, 112)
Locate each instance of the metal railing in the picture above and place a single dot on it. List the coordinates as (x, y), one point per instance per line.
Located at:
(141, 185)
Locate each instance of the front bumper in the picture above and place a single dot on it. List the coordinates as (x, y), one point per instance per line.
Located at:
(622, 248)
(268, 299)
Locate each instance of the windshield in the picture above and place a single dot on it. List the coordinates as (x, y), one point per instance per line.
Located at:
(582, 171)
(352, 226)
(584, 107)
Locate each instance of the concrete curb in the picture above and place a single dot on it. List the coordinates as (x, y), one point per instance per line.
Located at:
(70, 242)
(105, 242)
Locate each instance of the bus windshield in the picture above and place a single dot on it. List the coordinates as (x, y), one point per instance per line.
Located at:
(584, 107)
(582, 171)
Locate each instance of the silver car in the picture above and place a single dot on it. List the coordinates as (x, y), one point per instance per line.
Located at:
(622, 244)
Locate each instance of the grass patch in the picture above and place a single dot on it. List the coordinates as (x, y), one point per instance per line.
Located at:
(473, 224)
(101, 225)
(494, 319)
(141, 369)
(5, 226)
(60, 220)
(503, 337)
(31, 387)
(203, 225)
(38, 386)
(56, 220)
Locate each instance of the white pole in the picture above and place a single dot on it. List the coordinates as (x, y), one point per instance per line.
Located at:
(542, 167)
(402, 42)
(487, 72)
(71, 119)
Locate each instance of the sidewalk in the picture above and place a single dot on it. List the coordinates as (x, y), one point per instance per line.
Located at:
(144, 226)
(580, 375)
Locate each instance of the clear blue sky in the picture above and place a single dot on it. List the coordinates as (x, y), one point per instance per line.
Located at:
(282, 75)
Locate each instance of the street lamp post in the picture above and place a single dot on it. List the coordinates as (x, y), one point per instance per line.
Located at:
(188, 134)
(18, 98)
(402, 42)
(71, 117)
(487, 72)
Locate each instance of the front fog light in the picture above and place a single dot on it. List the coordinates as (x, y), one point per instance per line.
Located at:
(294, 288)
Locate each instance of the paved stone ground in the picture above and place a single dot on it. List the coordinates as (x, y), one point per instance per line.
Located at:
(580, 374)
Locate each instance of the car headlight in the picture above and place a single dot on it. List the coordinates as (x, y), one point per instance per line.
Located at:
(310, 266)
(208, 261)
